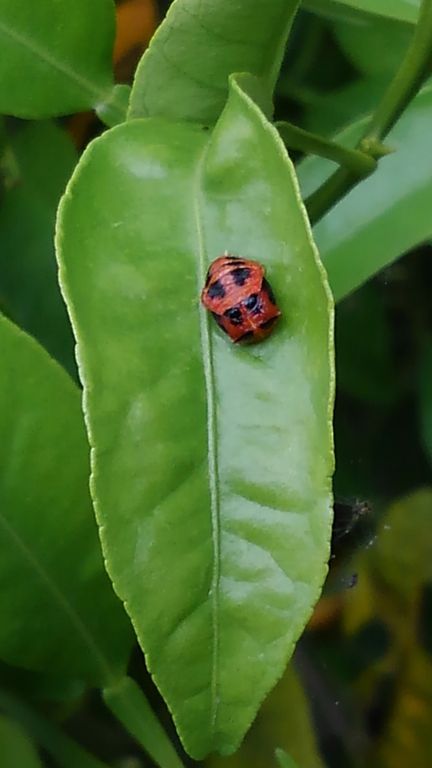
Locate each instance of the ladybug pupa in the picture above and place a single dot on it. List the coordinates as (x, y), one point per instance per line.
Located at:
(240, 298)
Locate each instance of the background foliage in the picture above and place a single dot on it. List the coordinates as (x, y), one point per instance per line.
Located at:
(359, 690)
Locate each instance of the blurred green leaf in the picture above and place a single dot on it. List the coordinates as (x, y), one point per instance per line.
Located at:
(402, 10)
(57, 606)
(211, 462)
(402, 554)
(183, 75)
(66, 752)
(39, 160)
(388, 213)
(56, 57)
(425, 397)
(285, 720)
(376, 46)
(350, 103)
(16, 749)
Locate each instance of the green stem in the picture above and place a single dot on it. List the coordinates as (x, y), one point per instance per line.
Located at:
(63, 749)
(127, 702)
(415, 67)
(360, 163)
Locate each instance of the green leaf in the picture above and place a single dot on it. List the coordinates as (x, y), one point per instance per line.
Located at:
(284, 719)
(211, 462)
(56, 57)
(401, 10)
(376, 47)
(16, 748)
(37, 165)
(57, 606)
(183, 75)
(388, 213)
(403, 552)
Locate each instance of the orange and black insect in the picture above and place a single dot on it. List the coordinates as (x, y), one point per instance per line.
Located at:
(240, 298)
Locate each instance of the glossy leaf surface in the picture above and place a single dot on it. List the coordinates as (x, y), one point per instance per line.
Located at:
(388, 213)
(184, 73)
(211, 462)
(37, 163)
(55, 56)
(69, 621)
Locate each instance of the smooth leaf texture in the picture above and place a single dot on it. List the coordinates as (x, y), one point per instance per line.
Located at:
(388, 213)
(38, 162)
(401, 10)
(211, 463)
(55, 56)
(183, 75)
(57, 606)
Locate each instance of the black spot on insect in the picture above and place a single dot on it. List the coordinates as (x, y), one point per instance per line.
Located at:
(216, 290)
(234, 315)
(219, 321)
(240, 275)
(268, 289)
(247, 336)
(253, 304)
(268, 323)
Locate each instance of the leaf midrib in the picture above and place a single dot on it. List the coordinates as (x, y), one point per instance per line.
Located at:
(213, 474)
(59, 598)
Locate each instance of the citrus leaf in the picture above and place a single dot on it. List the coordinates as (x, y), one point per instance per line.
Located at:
(56, 57)
(211, 462)
(57, 606)
(183, 75)
(36, 167)
(378, 220)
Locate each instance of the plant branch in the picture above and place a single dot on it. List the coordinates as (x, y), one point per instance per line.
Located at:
(415, 67)
(360, 163)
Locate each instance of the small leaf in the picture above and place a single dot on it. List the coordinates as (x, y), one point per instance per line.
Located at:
(57, 606)
(183, 75)
(381, 218)
(56, 57)
(211, 462)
